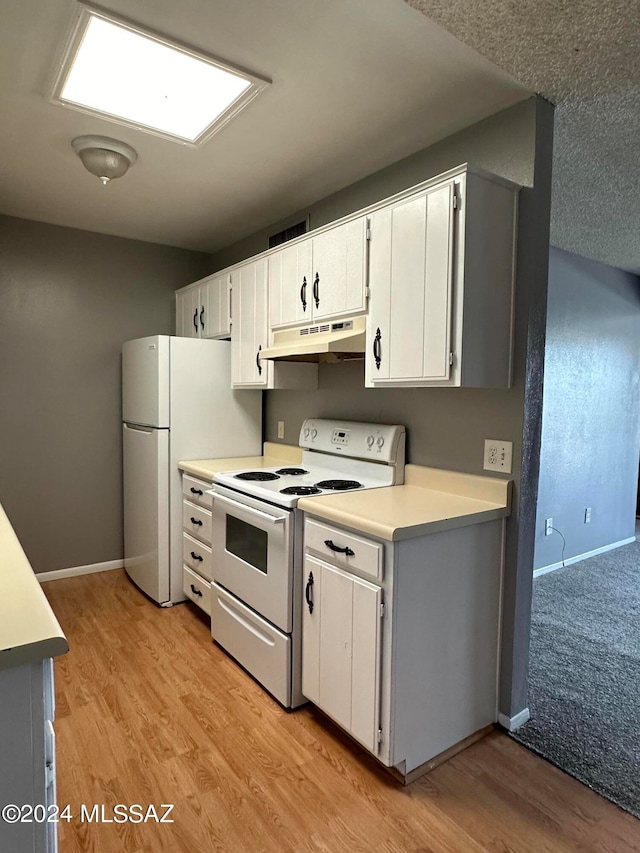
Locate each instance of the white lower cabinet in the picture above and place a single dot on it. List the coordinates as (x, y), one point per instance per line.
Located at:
(28, 757)
(341, 648)
(196, 541)
(407, 666)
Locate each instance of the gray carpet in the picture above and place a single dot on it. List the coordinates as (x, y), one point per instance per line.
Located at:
(584, 688)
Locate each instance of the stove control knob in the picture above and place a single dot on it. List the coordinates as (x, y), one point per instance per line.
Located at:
(380, 441)
(369, 441)
(306, 432)
(314, 433)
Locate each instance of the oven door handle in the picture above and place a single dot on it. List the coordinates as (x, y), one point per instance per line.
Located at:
(274, 519)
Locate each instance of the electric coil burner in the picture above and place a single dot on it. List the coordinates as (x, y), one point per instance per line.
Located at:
(301, 491)
(257, 587)
(339, 485)
(257, 476)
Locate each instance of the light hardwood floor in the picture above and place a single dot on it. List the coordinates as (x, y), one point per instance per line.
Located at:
(150, 711)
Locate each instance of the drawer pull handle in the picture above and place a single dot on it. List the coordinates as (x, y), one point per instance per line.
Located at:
(333, 547)
(307, 592)
(196, 491)
(196, 556)
(195, 590)
(196, 521)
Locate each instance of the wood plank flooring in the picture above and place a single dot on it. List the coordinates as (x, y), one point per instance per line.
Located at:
(150, 711)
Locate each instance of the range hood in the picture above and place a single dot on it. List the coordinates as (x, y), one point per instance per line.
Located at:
(334, 341)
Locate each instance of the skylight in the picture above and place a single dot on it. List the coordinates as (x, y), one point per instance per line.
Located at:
(121, 73)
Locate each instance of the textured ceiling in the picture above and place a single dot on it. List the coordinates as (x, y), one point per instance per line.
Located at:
(584, 56)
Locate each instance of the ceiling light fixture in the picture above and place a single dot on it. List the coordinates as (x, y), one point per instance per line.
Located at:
(104, 157)
(117, 71)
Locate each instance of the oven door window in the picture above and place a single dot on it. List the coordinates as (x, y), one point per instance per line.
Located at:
(247, 542)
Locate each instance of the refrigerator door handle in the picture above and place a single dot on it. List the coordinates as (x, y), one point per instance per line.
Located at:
(139, 429)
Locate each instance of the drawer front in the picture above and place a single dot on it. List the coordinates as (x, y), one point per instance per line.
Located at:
(261, 649)
(195, 490)
(347, 550)
(197, 521)
(196, 555)
(197, 589)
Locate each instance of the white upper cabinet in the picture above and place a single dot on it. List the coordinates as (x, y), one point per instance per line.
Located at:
(320, 278)
(188, 312)
(290, 285)
(203, 308)
(442, 268)
(250, 335)
(250, 326)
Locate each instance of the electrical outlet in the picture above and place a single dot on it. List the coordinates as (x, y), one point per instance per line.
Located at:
(280, 429)
(548, 526)
(498, 455)
(587, 515)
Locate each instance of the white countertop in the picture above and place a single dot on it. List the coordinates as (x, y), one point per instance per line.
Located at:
(29, 630)
(273, 456)
(431, 500)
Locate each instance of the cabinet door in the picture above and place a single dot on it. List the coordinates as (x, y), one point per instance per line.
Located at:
(290, 285)
(214, 317)
(188, 313)
(339, 271)
(341, 642)
(250, 326)
(411, 282)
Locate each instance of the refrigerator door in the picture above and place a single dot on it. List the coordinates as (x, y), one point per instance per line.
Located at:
(146, 509)
(145, 381)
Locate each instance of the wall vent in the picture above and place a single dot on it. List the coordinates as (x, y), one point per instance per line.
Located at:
(289, 233)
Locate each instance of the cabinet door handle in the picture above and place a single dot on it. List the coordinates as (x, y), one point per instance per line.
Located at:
(196, 521)
(377, 348)
(333, 547)
(307, 592)
(196, 491)
(195, 319)
(303, 293)
(258, 365)
(196, 556)
(316, 290)
(195, 590)
(201, 317)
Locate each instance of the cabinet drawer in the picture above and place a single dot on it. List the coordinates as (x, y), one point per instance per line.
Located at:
(356, 554)
(197, 521)
(197, 589)
(196, 491)
(196, 555)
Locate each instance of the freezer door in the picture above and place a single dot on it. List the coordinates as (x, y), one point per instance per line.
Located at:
(145, 381)
(146, 509)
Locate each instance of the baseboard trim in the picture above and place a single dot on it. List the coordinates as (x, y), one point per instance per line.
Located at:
(58, 574)
(571, 560)
(513, 723)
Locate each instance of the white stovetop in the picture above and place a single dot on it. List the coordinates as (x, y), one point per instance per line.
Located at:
(318, 467)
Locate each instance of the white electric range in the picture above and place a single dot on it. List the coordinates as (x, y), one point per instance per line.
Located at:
(257, 542)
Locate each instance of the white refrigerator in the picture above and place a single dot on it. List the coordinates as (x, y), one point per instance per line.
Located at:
(177, 404)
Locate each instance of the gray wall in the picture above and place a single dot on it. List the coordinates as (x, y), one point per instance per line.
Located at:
(447, 427)
(591, 407)
(68, 299)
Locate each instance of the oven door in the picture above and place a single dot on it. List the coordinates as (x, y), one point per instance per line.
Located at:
(252, 557)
